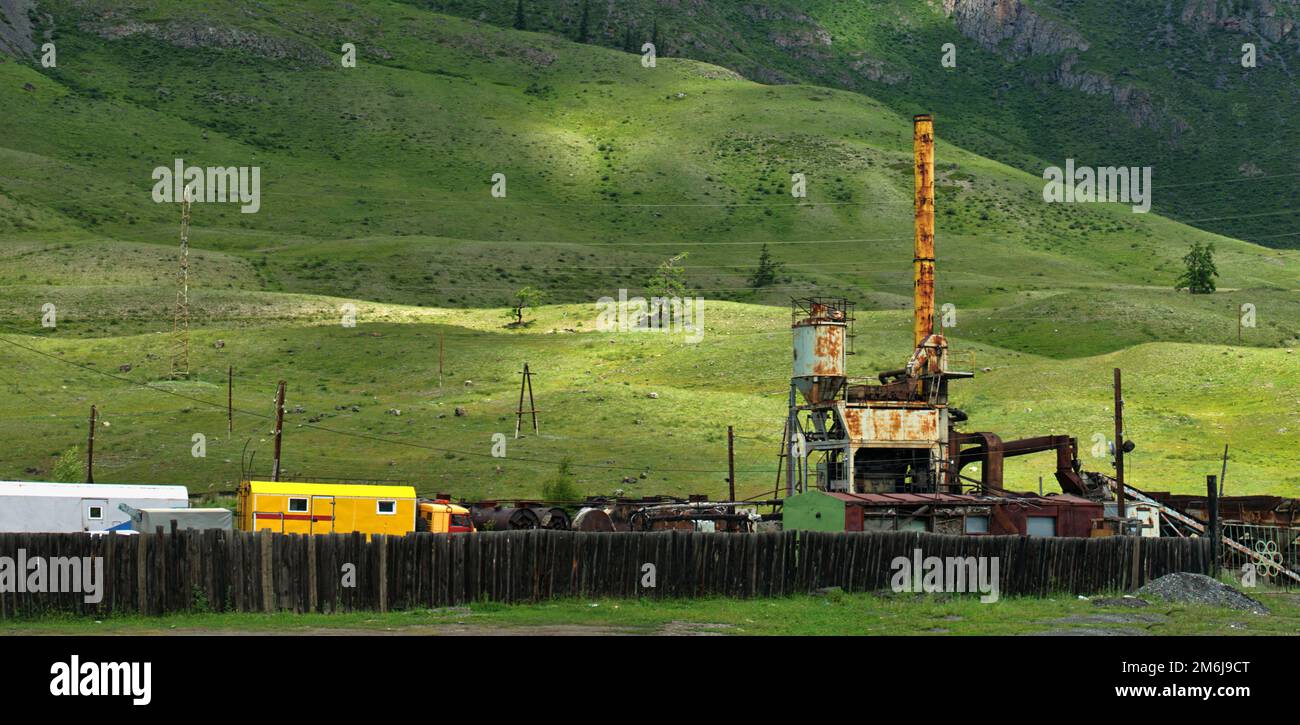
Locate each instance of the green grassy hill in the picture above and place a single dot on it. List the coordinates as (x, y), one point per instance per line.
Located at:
(375, 192)
(1033, 81)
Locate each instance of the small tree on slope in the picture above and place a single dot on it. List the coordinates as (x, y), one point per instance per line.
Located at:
(1198, 278)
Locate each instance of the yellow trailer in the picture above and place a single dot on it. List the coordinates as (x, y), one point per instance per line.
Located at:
(326, 508)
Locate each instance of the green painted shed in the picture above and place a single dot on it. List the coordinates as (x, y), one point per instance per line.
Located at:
(813, 510)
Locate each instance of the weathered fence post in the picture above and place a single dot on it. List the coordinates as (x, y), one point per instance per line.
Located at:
(313, 596)
(265, 549)
(1212, 494)
(381, 541)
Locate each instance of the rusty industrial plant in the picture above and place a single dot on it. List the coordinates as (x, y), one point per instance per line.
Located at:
(887, 453)
(898, 434)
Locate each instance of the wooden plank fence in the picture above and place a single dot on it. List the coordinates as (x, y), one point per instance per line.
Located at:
(262, 572)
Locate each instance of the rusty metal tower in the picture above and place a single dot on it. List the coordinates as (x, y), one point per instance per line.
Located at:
(896, 434)
(181, 312)
(890, 436)
(923, 208)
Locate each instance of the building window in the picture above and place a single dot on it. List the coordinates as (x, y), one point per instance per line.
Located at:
(977, 525)
(297, 505)
(96, 513)
(1040, 526)
(386, 508)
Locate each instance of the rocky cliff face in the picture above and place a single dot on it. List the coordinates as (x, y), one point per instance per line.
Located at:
(1015, 31)
(1138, 105)
(16, 37)
(1272, 20)
(210, 35)
(1012, 29)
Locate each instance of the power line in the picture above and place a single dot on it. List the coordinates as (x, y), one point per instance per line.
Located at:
(602, 203)
(387, 199)
(1238, 216)
(384, 199)
(597, 245)
(624, 204)
(1226, 180)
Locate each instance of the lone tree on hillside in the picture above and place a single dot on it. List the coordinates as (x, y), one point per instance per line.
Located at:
(1198, 279)
(525, 298)
(767, 270)
(667, 284)
(519, 15)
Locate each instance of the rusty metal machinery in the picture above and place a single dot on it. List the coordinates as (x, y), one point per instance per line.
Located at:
(488, 517)
(649, 513)
(524, 515)
(592, 519)
(886, 437)
(896, 433)
(822, 334)
(552, 517)
(693, 516)
(990, 451)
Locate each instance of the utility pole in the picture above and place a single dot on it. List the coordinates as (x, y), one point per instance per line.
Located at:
(1223, 475)
(181, 312)
(731, 463)
(90, 447)
(279, 429)
(1119, 443)
(230, 399)
(440, 349)
(526, 383)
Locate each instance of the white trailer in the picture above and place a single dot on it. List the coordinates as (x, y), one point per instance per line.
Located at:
(37, 507)
(147, 521)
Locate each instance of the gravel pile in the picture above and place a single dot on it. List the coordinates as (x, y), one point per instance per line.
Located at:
(1185, 588)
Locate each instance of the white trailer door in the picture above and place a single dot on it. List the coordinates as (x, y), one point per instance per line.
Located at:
(94, 514)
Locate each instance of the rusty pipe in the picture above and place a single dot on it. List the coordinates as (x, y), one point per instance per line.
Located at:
(923, 256)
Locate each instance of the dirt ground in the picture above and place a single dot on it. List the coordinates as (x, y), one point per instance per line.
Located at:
(676, 628)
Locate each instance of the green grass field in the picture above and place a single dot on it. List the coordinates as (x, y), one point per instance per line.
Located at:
(375, 193)
(594, 388)
(837, 614)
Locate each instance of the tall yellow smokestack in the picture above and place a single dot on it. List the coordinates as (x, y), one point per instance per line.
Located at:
(923, 258)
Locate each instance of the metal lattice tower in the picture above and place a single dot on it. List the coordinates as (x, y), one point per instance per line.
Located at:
(181, 312)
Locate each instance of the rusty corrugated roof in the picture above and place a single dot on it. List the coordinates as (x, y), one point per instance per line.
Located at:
(954, 499)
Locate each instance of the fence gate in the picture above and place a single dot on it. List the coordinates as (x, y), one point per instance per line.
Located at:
(1276, 549)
